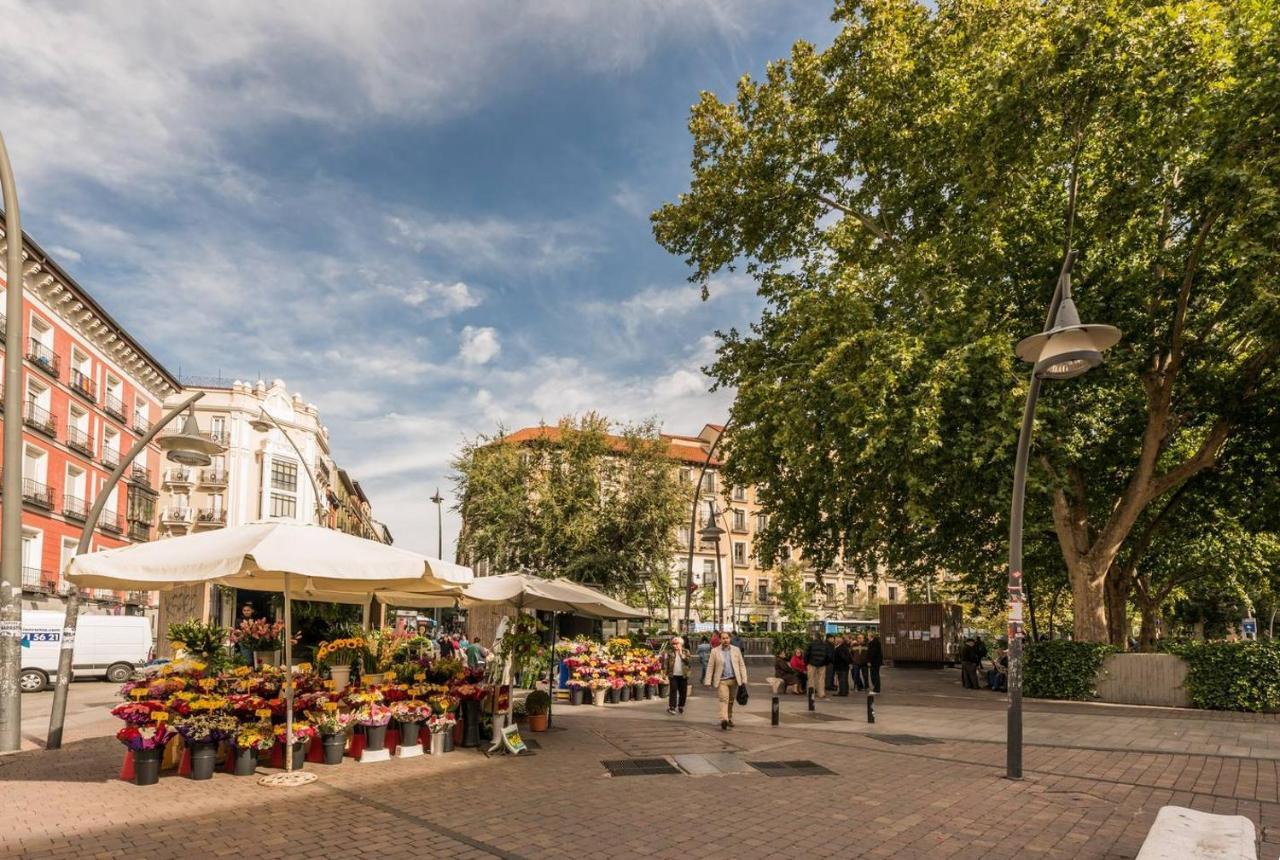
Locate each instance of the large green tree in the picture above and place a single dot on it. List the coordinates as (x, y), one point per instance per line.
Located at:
(580, 500)
(901, 198)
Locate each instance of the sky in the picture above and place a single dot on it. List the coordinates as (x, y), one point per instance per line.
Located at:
(428, 218)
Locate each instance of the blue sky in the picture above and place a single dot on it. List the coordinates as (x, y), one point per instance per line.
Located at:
(428, 218)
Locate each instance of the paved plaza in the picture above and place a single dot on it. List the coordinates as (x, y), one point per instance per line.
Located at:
(926, 780)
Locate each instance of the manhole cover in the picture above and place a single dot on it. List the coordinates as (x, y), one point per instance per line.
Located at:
(640, 767)
(790, 768)
(904, 740)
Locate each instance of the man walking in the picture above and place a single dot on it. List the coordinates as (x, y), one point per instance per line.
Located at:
(875, 659)
(726, 670)
(843, 659)
(969, 665)
(677, 666)
(815, 661)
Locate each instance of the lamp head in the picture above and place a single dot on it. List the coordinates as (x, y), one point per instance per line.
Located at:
(1069, 348)
(189, 447)
(260, 424)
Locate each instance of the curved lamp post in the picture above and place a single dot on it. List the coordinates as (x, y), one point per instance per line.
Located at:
(693, 524)
(1064, 350)
(189, 448)
(712, 532)
(262, 426)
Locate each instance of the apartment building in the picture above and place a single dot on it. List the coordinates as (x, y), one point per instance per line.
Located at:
(733, 570)
(90, 391)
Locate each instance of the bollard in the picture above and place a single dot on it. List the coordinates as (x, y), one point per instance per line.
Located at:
(773, 717)
(811, 691)
(871, 707)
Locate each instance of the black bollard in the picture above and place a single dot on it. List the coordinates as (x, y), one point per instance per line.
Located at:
(871, 707)
(811, 691)
(773, 717)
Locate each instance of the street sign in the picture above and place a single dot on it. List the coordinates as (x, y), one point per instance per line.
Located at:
(1249, 627)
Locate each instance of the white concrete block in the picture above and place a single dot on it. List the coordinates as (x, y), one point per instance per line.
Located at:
(1187, 834)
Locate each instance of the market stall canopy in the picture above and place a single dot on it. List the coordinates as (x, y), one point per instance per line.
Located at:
(524, 591)
(328, 563)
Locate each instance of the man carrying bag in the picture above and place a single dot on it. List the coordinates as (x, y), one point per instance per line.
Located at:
(727, 672)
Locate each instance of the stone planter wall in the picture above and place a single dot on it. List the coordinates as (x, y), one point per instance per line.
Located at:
(1144, 679)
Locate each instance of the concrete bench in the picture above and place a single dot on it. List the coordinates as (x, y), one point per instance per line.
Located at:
(1186, 834)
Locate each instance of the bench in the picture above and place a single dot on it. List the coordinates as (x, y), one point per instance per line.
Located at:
(1187, 834)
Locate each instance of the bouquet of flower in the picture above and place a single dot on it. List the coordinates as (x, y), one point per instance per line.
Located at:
(329, 721)
(600, 683)
(358, 698)
(144, 737)
(342, 652)
(396, 693)
(383, 647)
(245, 703)
(301, 732)
(260, 635)
(255, 736)
(410, 711)
(575, 683)
(206, 728)
(443, 671)
(137, 713)
(373, 714)
(441, 723)
(653, 680)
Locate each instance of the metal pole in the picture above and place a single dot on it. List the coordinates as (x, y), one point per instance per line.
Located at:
(1013, 740)
(693, 526)
(11, 513)
(438, 499)
(288, 677)
(719, 578)
(315, 485)
(58, 714)
(551, 670)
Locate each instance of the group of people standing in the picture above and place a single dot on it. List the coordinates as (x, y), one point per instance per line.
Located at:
(972, 655)
(826, 664)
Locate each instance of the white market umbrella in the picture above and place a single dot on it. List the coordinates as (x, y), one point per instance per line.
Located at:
(269, 556)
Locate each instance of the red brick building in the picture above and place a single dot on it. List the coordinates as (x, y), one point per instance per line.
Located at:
(89, 392)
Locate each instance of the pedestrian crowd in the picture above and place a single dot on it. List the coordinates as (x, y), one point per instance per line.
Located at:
(974, 666)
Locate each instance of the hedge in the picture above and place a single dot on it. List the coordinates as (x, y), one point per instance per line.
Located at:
(1062, 669)
(1232, 676)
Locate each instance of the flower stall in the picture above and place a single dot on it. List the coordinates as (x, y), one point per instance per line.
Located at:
(618, 671)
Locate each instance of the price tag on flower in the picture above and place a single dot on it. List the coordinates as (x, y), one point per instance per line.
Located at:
(421, 676)
(330, 706)
(264, 713)
(138, 692)
(207, 683)
(330, 685)
(160, 716)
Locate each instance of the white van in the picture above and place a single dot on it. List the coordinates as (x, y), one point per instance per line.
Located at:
(109, 646)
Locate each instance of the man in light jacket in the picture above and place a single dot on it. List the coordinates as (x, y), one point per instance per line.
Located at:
(725, 671)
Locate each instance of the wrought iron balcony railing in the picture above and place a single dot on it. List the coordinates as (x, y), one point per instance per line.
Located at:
(43, 357)
(37, 417)
(79, 440)
(83, 385)
(74, 507)
(113, 406)
(38, 494)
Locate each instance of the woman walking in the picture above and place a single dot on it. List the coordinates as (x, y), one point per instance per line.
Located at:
(676, 665)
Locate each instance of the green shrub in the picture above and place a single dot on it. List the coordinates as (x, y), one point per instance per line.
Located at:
(1232, 676)
(1062, 669)
(536, 703)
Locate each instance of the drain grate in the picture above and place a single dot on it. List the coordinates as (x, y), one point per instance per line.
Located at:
(814, 716)
(904, 740)
(791, 768)
(640, 767)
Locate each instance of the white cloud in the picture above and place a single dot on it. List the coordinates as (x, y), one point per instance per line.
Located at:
(495, 243)
(480, 345)
(435, 298)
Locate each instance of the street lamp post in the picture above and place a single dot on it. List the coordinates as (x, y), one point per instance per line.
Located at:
(1064, 350)
(439, 500)
(712, 532)
(11, 516)
(189, 448)
(693, 524)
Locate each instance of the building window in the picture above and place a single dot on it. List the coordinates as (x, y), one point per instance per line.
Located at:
(683, 535)
(68, 553)
(709, 482)
(811, 590)
(35, 465)
(762, 590)
(740, 591)
(284, 475)
(739, 520)
(739, 494)
(141, 507)
(893, 593)
(784, 553)
(218, 428)
(686, 476)
(762, 520)
(32, 555)
(829, 590)
(284, 507)
(871, 592)
(851, 594)
(708, 568)
(739, 552)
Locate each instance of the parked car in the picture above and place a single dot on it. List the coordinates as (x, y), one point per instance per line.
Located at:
(106, 646)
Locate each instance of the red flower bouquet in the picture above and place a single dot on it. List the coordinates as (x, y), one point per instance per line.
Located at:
(137, 713)
(144, 737)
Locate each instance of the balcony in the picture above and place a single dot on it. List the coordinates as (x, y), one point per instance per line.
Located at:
(176, 515)
(79, 440)
(211, 518)
(213, 477)
(138, 474)
(113, 406)
(138, 598)
(84, 385)
(141, 425)
(111, 523)
(38, 418)
(43, 357)
(75, 508)
(35, 580)
(139, 532)
(38, 494)
(178, 477)
(105, 595)
(110, 457)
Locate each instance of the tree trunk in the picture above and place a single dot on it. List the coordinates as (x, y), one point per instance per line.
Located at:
(1150, 610)
(1089, 603)
(1117, 597)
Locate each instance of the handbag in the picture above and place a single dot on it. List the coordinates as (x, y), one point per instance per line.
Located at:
(742, 694)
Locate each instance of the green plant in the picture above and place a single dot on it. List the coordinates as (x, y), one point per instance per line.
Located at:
(1063, 669)
(537, 703)
(1232, 676)
(199, 640)
(517, 709)
(522, 642)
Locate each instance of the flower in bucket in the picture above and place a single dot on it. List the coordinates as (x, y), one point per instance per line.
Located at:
(260, 635)
(440, 723)
(359, 698)
(206, 728)
(301, 731)
(137, 713)
(255, 736)
(373, 714)
(410, 711)
(144, 737)
(341, 652)
(329, 721)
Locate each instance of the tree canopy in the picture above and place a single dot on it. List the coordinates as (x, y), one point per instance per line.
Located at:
(901, 200)
(580, 500)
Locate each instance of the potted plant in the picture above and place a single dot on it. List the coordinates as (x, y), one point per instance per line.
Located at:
(147, 743)
(518, 712)
(302, 735)
(203, 732)
(199, 641)
(664, 686)
(331, 727)
(537, 705)
(250, 740)
(599, 689)
(409, 715)
(575, 686)
(624, 692)
(374, 716)
(382, 648)
(440, 727)
(338, 655)
(264, 638)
